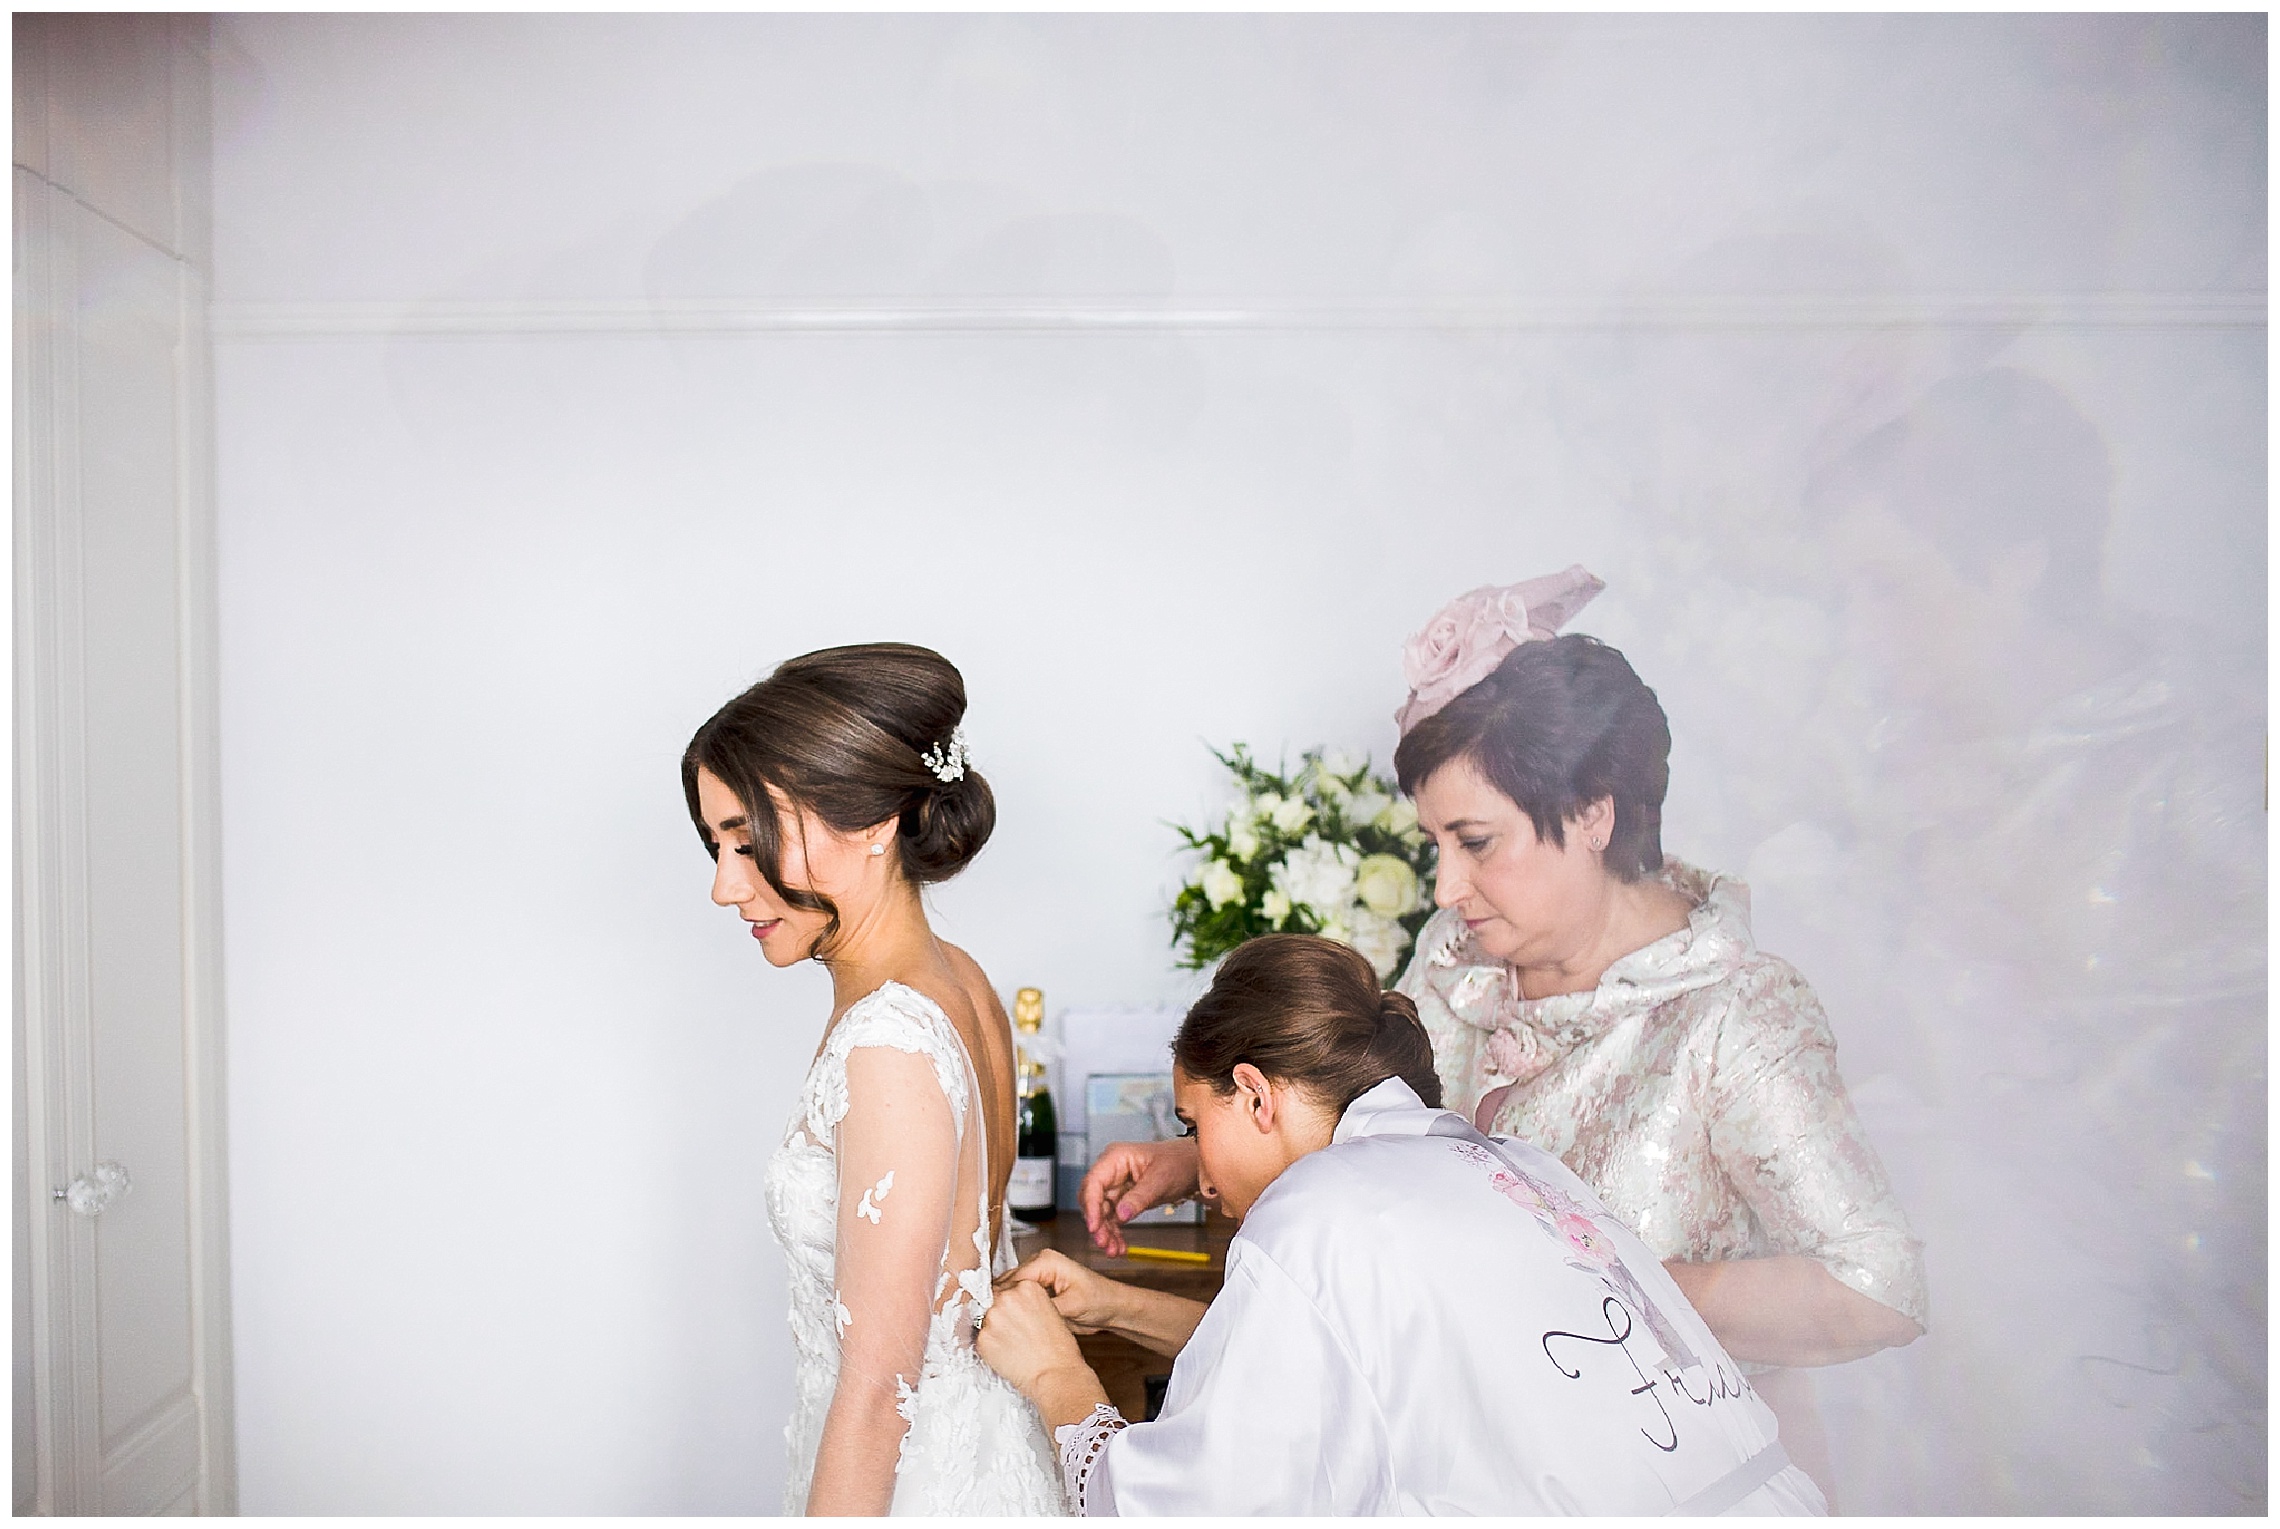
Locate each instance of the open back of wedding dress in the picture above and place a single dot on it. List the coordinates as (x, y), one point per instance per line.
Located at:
(880, 1197)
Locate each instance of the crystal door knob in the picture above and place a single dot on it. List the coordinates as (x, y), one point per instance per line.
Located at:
(91, 1194)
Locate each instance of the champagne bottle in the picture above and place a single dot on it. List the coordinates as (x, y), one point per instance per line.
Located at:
(1037, 1138)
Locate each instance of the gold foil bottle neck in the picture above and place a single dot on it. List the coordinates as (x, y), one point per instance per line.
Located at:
(1029, 1009)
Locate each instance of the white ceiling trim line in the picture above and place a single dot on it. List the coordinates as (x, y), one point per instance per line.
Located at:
(479, 317)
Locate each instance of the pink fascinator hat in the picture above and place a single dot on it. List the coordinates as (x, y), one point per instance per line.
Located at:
(1470, 635)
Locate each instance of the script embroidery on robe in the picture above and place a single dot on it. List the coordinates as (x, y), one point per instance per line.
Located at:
(1658, 1356)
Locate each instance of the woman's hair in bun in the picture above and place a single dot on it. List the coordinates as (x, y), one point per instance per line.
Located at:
(1307, 1011)
(847, 733)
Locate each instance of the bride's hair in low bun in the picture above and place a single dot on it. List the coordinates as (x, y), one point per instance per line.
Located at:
(947, 830)
(856, 735)
(1307, 1011)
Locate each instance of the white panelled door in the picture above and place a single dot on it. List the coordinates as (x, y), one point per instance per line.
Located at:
(121, 1272)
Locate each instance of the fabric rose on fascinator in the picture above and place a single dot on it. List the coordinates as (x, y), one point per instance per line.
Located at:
(1470, 635)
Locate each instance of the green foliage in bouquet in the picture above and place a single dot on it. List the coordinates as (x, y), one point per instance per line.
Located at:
(1331, 850)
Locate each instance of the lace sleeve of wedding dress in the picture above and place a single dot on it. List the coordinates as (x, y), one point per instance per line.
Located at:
(898, 1165)
(1783, 1129)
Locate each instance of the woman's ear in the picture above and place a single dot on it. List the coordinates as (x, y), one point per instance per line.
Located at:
(1255, 1098)
(1594, 824)
(880, 836)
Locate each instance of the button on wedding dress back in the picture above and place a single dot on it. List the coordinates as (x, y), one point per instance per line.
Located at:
(879, 1194)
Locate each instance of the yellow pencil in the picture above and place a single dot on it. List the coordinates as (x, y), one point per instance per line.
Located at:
(1170, 1255)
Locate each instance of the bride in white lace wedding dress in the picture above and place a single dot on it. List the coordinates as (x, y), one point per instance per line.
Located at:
(891, 1117)
(828, 795)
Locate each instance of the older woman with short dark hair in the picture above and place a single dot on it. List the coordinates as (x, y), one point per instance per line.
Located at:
(1586, 995)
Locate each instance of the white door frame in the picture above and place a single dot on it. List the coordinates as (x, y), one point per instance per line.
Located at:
(62, 63)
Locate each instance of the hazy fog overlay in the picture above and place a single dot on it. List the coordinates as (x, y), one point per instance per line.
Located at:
(1903, 376)
(2012, 826)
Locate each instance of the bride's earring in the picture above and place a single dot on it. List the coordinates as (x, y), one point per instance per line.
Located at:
(878, 849)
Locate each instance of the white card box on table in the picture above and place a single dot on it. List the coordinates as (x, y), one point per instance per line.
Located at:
(1136, 1106)
(1102, 1038)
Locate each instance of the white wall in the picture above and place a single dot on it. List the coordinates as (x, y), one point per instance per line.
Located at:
(507, 510)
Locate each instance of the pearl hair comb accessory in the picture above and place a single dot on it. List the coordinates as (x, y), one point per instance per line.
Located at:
(948, 760)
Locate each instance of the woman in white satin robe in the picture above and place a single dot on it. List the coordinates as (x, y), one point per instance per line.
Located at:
(1586, 994)
(1415, 1318)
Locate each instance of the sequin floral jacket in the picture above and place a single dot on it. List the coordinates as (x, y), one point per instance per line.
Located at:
(1695, 1089)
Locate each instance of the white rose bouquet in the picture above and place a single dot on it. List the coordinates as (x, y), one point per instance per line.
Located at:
(1332, 850)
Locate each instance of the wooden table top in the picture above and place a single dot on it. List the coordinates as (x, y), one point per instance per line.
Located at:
(1066, 1233)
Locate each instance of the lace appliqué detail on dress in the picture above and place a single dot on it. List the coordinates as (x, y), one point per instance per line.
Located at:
(1081, 1445)
(976, 1281)
(893, 1016)
(906, 1401)
(868, 1206)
